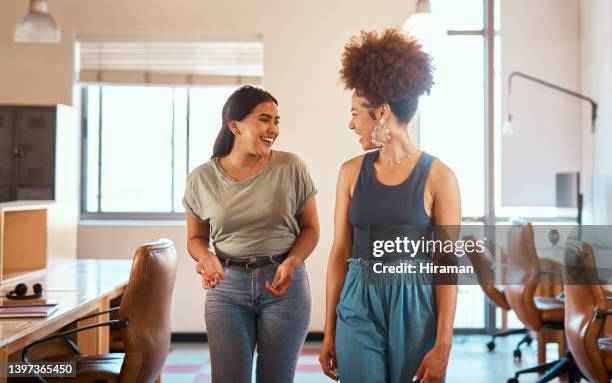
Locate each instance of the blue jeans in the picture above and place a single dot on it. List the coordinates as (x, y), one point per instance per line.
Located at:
(241, 314)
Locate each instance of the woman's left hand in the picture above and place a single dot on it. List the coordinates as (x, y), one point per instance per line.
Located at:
(433, 366)
(282, 280)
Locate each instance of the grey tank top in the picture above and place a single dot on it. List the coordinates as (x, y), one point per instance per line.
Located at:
(375, 204)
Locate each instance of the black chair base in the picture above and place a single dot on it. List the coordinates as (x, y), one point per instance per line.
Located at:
(517, 351)
(552, 370)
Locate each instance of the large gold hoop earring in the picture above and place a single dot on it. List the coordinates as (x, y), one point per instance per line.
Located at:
(384, 131)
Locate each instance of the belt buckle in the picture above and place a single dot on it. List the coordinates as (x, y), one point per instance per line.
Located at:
(248, 265)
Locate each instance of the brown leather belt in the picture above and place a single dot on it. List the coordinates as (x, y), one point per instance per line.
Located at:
(249, 264)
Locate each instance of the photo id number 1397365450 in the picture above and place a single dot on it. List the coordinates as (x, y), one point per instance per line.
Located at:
(44, 369)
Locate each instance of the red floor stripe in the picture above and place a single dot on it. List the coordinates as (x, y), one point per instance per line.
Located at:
(310, 351)
(182, 368)
(309, 368)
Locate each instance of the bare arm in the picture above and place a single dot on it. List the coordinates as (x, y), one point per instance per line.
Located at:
(302, 247)
(337, 267)
(340, 251)
(447, 216)
(198, 246)
(308, 238)
(447, 213)
(198, 237)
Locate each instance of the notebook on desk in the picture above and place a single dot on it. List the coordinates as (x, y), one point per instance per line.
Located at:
(5, 302)
(38, 311)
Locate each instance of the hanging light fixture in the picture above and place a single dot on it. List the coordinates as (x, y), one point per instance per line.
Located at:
(507, 126)
(417, 23)
(423, 26)
(37, 26)
(423, 6)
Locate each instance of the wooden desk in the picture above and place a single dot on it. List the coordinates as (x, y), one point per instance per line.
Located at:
(80, 287)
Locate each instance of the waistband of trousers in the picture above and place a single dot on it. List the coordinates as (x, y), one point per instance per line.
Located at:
(251, 263)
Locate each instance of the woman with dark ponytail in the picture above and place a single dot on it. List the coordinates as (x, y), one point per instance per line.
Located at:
(252, 221)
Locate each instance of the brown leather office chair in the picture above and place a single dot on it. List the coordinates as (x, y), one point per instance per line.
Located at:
(586, 310)
(144, 320)
(537, 313)
(483, 265)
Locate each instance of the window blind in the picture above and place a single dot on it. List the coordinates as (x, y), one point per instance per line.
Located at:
(219, 59)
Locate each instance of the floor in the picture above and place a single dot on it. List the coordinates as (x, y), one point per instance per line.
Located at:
(469, 362)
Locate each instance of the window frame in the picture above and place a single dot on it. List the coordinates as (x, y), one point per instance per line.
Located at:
(124, 216)
(488, 33)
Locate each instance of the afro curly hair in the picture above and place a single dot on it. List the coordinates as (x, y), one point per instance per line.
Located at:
(387, 68)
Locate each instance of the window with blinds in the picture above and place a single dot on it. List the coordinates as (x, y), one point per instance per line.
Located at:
(152, 109)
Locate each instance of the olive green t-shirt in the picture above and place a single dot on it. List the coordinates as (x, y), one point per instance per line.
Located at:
(257, 216)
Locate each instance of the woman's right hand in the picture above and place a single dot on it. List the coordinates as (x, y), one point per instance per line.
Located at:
(210, 270)
(327, 358)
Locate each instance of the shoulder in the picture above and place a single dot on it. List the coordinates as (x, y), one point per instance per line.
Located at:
(205, 171)
(282, 157)
(441, 176)
(349, 170)
(352, 165)
(289, 161)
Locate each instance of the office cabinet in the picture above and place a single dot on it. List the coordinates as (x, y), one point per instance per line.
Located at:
(23, 238)
(6, 157)
(27, 152)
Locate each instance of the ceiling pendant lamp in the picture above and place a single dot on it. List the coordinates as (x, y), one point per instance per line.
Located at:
(37, 26)
(425, 27)
(418, 23)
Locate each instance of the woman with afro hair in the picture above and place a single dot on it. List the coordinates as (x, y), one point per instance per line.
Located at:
(387, 332)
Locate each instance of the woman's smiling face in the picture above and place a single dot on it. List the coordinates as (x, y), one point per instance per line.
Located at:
(259, 129)
(362, 122)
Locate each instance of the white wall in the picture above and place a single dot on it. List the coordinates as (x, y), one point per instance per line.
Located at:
(596, 21)
(63, 215)
(303, 42)
(542, 39)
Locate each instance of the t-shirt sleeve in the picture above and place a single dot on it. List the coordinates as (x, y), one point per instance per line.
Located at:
(192, 199)
(305, 187)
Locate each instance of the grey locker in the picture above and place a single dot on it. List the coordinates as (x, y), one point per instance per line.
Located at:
(37, 142)
(27, 153)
